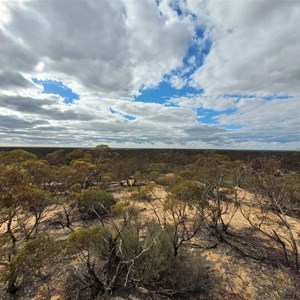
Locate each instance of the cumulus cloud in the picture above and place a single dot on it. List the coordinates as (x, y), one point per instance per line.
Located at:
(177, 82)
(263, 120)
(9, 79)
(41, 108)
(108, 52)
(206, 102)
(255, 47)
(131, 45)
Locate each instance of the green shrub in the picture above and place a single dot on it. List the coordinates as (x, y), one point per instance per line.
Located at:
(153, 175)
(90, 239)
(168, 179)
(29, 261)
(94, 203)
(160, 269)
(112, 260)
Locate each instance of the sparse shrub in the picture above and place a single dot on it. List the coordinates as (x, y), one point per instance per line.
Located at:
(153, 175)
(157, 261)
(113, 260)
(75, 188)
(141, 194)
(168, 179)
(91, 240)
(188, 191)
(187, 274)
(94, 203)
(29, 261)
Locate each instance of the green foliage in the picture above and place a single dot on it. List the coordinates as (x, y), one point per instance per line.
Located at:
(16, 156)
(153, 175)
(16, 190)
(188, 191)
(123, 169)
(158, 167)
(56, 158)
(168, 179)
(188, 173)
(34, 199)
(211, 160)
(119, 208)
(90, 239)
(158, 267)
(131, 244)
(75, 188)
(74, 155)
(101, 154)
(94, 203)
(266, 165)
(201, 190)
(158, 260)
(29, 261)
(5, 248)
(281, 190)
(127, 214)
(13, 182)
(39, 170)
(82, 172)
(291, 182)
(114, 259)
(107, 177)
(187, 274)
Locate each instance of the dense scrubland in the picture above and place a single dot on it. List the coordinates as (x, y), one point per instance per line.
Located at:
(149, 224)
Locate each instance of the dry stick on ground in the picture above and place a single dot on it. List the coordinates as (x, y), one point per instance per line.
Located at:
(278, 197)
(275, 236)
(292, 241)
(232, 273)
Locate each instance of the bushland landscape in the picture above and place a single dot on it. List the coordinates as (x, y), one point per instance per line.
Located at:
(105, 192)
(106, 223)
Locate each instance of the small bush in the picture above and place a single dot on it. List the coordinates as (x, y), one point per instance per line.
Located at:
(153, 175)
(29, 262)
(168, 179)
(94, 203)
(113, 260)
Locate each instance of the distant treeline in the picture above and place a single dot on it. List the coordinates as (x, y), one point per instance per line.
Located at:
(290, 160)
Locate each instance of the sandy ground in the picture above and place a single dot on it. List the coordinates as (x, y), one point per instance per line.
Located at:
(236, 277)
(240, 278)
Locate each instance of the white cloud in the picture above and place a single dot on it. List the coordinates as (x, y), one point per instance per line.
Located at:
(131, 45)
(109, 51)
(265, 120)
(207, 102)
(255, 47)
(177, 82)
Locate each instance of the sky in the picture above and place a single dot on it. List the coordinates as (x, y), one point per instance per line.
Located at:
(150, 73)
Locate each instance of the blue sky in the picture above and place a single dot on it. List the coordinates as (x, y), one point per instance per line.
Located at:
(57, 88)
(163, 92)
(159, 74)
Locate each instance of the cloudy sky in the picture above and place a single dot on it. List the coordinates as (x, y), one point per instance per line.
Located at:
(146, 73)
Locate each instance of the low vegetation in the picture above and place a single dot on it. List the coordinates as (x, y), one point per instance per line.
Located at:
(88, 224)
